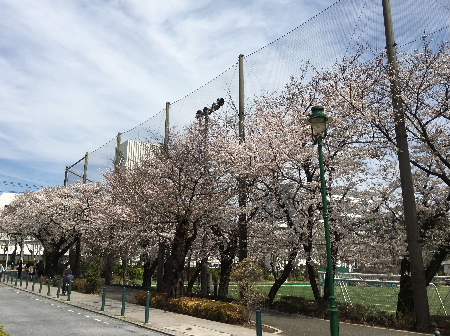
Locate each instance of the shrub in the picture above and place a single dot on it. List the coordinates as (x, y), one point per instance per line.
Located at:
(56, 279)
(92, 277)
(2, 332)
(80, 285)
(198, 307)
(159, 300)
(246, 273)
(300, 305)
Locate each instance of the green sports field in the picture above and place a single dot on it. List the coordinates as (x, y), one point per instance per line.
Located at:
(384, 298)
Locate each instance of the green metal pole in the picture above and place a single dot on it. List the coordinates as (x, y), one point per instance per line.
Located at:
(40, 285)
(59, 288)
(124, 298)
(69, 290)
(21, 278)
(26, 282)
(48, 286)
(103, 299)
(258, 322)
(334, 317)
(34, 282)
(147, 307)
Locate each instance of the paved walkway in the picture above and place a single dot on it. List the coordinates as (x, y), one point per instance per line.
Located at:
(183, 325)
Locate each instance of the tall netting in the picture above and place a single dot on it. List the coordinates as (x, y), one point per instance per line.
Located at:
(339, 31)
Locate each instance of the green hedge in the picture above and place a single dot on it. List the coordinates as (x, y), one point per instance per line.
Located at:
(203, 308)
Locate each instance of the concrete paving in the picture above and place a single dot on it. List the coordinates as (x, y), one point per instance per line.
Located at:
(182, 325)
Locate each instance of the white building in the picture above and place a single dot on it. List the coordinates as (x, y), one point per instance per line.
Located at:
(6, 199)
(132, 152)
(27, 249)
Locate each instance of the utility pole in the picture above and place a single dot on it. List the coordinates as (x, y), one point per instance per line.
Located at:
(162, 244)
(66, 177)
(421, 306)
(242, 182)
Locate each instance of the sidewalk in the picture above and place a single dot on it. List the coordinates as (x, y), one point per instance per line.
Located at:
(159, 320)
(182, 325)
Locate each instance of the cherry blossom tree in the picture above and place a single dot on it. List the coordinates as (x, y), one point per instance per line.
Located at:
(174, 195)
(358, 88)
(56, 216)
(282, 165)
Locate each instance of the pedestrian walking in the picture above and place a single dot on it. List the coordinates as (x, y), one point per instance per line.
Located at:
(2, 270)
(67, 277)
(30, 269)
(19, 269)
(40, 268)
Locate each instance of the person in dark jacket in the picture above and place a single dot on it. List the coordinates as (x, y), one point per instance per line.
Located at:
(40, 268)
(67, 277)
(19, 269)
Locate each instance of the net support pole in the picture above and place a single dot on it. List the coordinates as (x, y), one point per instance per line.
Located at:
(242, 184)
(421, 305)
(166, 127)
(85, 168)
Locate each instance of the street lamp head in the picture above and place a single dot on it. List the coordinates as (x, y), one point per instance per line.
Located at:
(318, 121)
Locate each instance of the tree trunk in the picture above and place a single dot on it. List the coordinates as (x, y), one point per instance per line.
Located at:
(226, 265)
(192, 279)
(161, 259)
(436, 260)
(405, 302)
(77, 261)
(227, 255)
(109, 268)
(313, 282)
(175, 263)
(312, 273)
(284, 275)
(149, 270)
(204, 277)
(124, 269)
(52, 264)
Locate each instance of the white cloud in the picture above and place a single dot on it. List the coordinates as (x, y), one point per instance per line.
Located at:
(74, 73)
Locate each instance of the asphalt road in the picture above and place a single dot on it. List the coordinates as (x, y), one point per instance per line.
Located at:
(296, 325)
(24, 314)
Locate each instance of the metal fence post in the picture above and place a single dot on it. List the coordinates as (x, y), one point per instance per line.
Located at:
(103, 299)
(59, 288)
(124, 298)
(48, 286)
(40, 284)
(34, 282)
(69, 290)
(147, 307)
(258, 322)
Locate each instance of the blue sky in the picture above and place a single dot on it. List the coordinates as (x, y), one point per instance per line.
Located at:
(74, 73)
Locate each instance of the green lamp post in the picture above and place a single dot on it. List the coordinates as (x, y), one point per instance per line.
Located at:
(318, 121)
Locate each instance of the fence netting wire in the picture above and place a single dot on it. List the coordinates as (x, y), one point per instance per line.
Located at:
(337, 32)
